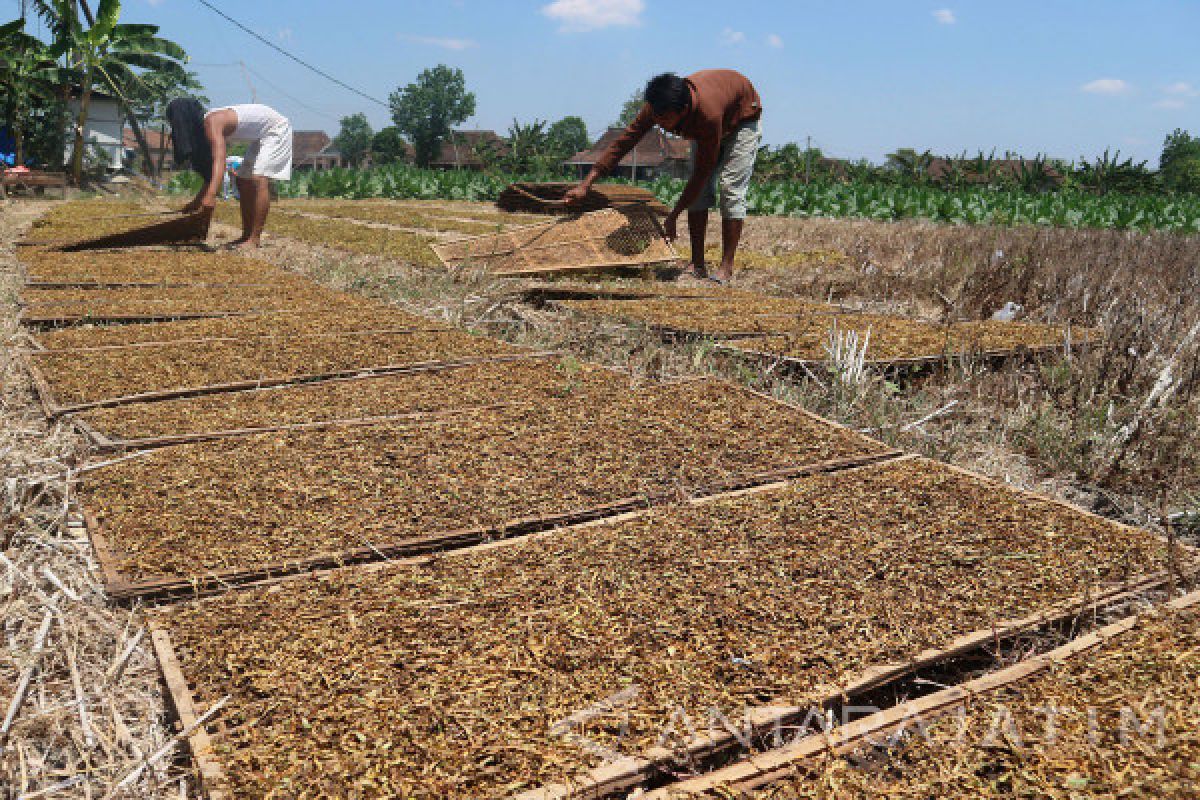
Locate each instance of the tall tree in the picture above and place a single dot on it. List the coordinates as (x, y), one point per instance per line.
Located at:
(28, 76)
(354, 138)
(631, 108)
(105, 53)
(427, 110)
(567, 137)
(388, 145)
(1180, 161)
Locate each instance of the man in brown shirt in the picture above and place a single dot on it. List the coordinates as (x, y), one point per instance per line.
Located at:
(719, 111)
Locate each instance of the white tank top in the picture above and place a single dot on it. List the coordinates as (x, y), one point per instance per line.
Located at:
(254, 121)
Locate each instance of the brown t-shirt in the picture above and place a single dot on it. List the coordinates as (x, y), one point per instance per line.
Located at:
(722, 99)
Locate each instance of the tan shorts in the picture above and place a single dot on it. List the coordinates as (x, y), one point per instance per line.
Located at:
(734, 167)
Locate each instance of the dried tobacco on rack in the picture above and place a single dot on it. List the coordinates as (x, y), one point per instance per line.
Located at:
(242, 503)
(295, 293)
(389, 214)
(343, 235)
(895, 338)
(1035, 738)
(89, 376)
(280, 323)
(415, 213)
(531, 382)
(149, 266)
(446, 679)
(738, 313)
(81, 219)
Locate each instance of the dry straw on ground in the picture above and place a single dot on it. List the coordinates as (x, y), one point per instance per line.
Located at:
(93, 712)
(77, 377)
(239, 504)
(451, 676)
(1116, 721)
(514, 382)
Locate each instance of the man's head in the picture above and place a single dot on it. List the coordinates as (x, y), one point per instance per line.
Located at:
(669, 99)
(185, 115)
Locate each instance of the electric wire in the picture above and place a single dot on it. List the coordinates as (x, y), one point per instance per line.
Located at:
(283, 52)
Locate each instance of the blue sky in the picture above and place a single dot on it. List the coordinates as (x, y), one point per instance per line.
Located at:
(1066, 77)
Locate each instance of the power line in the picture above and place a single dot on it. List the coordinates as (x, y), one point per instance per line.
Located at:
(280, 50)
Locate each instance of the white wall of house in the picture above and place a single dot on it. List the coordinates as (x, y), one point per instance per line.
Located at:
(104, 129)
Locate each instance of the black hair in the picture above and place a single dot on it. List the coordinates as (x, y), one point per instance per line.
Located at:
(667, 92)
(186, 118)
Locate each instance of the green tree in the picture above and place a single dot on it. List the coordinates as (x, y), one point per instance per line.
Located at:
(909, 164)
(427, 110)
(388, 145)
(631, 108)
(528, 147)
(1179, 163)
(105, 54)
(354, 138)
(567, 137)
(28, 79)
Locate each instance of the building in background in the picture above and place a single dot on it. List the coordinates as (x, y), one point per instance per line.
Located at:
(470, 150)
(655, 155)
(103, 132)
(314, 150)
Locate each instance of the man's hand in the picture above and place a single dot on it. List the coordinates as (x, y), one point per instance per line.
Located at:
(204, 203)
(576, 194)
(671, 226)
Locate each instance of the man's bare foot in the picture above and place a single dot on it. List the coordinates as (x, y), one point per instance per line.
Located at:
(724, 274)
(698, 271)
(245, 244)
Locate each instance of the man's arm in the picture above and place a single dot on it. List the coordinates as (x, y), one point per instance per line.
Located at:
(215, 125)
(633, 134)
(707, 153)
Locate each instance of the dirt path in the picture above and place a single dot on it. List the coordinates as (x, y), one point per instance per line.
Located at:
(93, 711)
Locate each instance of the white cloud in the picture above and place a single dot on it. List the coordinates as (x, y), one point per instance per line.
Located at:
(439, 41)
(1170, 104)
(588, 15)
(1106, 86)
(730, 37)
(775, 40)
(945, 16)
(1182, 89)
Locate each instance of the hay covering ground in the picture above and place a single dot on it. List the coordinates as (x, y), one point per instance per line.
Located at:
(431, 214)
(525, 382)
(282, 323)
(741, 313)
(88, 376)
(444, 680)
(270, 498)
(1008, 744)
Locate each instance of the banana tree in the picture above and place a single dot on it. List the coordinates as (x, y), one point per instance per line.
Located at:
(28, 74)
(106, 53)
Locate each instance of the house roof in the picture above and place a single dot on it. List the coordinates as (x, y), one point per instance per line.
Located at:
(655, 148)
(156, 140)
(307, 144)
(459, 149)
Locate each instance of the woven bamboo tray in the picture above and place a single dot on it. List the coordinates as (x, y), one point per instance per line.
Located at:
(599, 240)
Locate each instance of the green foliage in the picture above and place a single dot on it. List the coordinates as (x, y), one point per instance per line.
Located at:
(630, 109)
(354, 138)
(528, 148)
(567, 137)
(28, 79)
(427, 110)
(909, 164)
(1180, 162)
(388, 146)
(1108, 173)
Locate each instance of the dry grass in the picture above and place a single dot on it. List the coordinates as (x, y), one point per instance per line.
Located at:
(449, 676)
(94, 710)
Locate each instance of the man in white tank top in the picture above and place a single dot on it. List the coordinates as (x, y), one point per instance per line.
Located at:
(269, 157)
